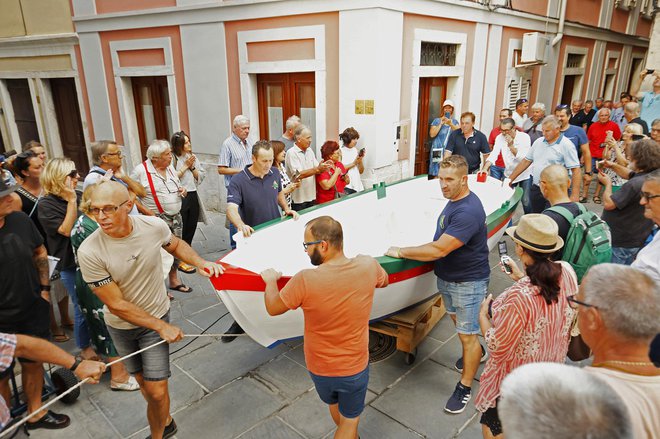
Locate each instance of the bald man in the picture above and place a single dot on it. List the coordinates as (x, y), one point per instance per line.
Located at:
(121, 262)
(554, 183)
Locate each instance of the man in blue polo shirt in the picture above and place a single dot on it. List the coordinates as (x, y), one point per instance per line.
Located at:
(460, 251)
(469, 143)
(552, 149)
(253, 197)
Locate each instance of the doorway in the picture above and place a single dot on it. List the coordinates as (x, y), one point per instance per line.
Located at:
(432, 93)
(568, 89)
(21, 101)
(152, 110)
(69, 122)
(281, 95)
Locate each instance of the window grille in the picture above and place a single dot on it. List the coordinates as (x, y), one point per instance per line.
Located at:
(438, 54)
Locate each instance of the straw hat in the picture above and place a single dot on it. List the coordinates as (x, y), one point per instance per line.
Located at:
(536, 232)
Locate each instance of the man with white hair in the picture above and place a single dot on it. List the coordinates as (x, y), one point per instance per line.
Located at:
(300, 164)
(556, 401)
(631, 112)
(532, 126)
(552, 148)
(618, 317)
(235, 155)
(163, 196)
(648, 258)
(289, 127)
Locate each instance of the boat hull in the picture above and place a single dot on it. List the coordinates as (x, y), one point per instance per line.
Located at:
(411, 283)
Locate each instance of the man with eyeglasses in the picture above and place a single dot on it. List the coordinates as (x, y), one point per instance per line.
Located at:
(648, 258)
(106, 157)
(513, 146)
(121, 262)
(618, 317)
(655, 130)
(336, 300)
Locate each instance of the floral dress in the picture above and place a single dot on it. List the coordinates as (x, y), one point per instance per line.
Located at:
(526, 330)
(91, 305)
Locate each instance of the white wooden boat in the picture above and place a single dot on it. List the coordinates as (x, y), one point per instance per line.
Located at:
(402, 214)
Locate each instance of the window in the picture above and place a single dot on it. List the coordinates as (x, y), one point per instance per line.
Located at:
(574, 61)
(518, 89)
(152, 108)
(438, 54)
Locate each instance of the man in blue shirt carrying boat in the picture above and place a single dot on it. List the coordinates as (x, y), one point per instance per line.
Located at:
(460, 252)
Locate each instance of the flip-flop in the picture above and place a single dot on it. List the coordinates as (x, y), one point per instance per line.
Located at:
(182, 288)
(187, 268)
(597, 199)
(583, 200)
(61, 338)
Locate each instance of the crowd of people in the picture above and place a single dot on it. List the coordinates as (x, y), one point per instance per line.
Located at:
(118, 247)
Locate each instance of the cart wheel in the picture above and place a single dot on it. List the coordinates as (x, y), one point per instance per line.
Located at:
(63, 380)
(410, 357)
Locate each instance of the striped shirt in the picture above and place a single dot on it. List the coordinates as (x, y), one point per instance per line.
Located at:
(7, 348)
(235, 153)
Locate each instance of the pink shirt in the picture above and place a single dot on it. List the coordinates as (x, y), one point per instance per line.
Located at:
(526, 330)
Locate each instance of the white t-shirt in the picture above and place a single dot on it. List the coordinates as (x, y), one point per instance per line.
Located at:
(348, 155)
(641, 394)
(520, 120)
(522, 143)
(648, 259)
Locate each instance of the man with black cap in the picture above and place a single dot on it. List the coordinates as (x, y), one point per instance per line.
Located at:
(24, 300)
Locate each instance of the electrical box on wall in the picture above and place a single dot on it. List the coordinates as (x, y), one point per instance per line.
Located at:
(533, 47)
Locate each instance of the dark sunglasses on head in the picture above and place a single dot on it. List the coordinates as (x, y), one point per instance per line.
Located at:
(26, 154)
(73, 173)
(638, 137)
(561, 107)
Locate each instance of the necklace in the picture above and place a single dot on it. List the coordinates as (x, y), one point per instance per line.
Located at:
(624, 363)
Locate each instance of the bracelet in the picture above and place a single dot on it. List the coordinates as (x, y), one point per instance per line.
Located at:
(45, 287)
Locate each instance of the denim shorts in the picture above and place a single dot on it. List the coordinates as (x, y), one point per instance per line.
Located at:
(463, 299)
(154, 363)
(348, 392)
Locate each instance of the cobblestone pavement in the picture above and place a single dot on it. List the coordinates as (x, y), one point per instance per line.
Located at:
(242, 390)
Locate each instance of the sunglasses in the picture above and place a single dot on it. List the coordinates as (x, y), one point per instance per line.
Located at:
(73, 174)
(561, 107)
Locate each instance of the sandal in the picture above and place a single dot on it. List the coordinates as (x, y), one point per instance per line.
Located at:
(189, 269)
(597, 199)
(583, 199)
(61, 338)
(182, 288)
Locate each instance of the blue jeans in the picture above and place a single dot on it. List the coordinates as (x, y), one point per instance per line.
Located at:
(497, 172)
(463, 299)
(347, 392)
(80, 330)
(526, 200)
(624, 256)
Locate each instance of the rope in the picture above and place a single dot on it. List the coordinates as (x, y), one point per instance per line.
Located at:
(53, 401)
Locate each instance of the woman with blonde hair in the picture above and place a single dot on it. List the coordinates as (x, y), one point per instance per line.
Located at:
(91, 305)
(58, 211)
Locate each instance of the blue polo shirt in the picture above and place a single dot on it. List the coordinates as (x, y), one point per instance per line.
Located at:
(465, 220)
(542, 154)
(255, 197)
(577, 136)
(469, 148)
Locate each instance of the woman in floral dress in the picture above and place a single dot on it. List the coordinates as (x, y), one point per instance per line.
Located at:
(530, 321)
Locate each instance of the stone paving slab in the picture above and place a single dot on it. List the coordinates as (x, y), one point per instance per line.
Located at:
(309, 415)
(377, 425)
(289, 377)
(229, 412)
(272, 428)
(418, 401)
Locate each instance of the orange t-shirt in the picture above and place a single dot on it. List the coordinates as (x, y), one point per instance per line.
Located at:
(336, 301)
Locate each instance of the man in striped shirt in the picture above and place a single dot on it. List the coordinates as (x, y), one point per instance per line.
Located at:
(235, 155)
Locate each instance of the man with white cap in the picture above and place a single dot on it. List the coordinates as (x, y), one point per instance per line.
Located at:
(439, 132)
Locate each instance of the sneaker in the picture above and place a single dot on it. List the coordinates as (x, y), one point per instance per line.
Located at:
(235, 328)
(459, 363)
(459, 399)
(129, 386)
(170, 430)
(50, 421)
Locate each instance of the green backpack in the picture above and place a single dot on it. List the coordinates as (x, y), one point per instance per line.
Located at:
(588, 241)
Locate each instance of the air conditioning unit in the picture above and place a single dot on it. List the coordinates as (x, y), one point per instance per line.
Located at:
(533, 48)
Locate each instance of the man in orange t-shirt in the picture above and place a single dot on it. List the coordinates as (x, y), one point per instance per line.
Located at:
(336, 299)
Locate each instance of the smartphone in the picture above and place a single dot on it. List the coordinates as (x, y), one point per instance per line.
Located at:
(296, 176)
(361, 153)
(599, 165)
(447, 114)
(650, 71)
(506, 263)
(490, 309)
(501, 248)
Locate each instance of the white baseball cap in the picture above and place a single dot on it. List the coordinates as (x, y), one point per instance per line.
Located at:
(448, 102)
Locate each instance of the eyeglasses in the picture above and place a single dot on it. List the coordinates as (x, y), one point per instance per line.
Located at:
(573, 300)
(307, 244)
(107, 210)
(648, 196)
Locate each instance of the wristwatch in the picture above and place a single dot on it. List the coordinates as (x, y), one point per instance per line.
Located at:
(76, 363)
(589, 173)
(44, 287)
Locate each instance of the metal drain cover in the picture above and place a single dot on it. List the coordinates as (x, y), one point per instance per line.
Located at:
(381, 346)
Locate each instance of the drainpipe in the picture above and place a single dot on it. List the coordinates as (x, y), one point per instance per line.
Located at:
(560, 29)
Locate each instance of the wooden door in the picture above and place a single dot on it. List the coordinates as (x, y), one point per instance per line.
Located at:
(282, 95)
(21, 101)
(69, 122)
(152, 109)
(432, 93)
